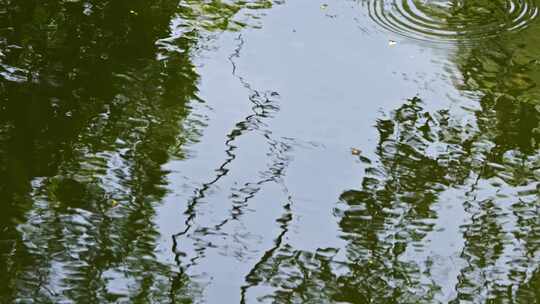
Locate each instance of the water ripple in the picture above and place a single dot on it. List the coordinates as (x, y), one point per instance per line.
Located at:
(445, 21)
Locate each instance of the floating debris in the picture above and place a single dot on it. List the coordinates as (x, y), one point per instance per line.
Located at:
(355, 151)
(392, 42)
(324, 6)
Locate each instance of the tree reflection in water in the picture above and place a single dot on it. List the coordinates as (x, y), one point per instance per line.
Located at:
(489, 155)
(95, 99)
(420, 155)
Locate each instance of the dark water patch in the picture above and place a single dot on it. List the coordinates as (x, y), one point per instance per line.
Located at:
(95, 99)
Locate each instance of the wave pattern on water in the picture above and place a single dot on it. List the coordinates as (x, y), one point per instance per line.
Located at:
(445, 21)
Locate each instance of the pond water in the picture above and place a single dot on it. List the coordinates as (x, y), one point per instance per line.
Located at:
(366, 151)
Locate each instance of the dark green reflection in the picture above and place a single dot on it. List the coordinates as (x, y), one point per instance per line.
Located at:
(94, 100)
(489, 155)
(88, 109)
(502, 235)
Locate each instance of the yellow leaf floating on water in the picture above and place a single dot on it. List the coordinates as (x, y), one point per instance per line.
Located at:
(114, 203)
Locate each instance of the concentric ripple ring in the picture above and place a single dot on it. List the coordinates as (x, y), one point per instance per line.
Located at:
(452, 20)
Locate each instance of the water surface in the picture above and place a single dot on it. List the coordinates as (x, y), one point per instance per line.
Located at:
(277, 152)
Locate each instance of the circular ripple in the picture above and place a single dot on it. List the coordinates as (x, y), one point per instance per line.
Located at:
(452, 20)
